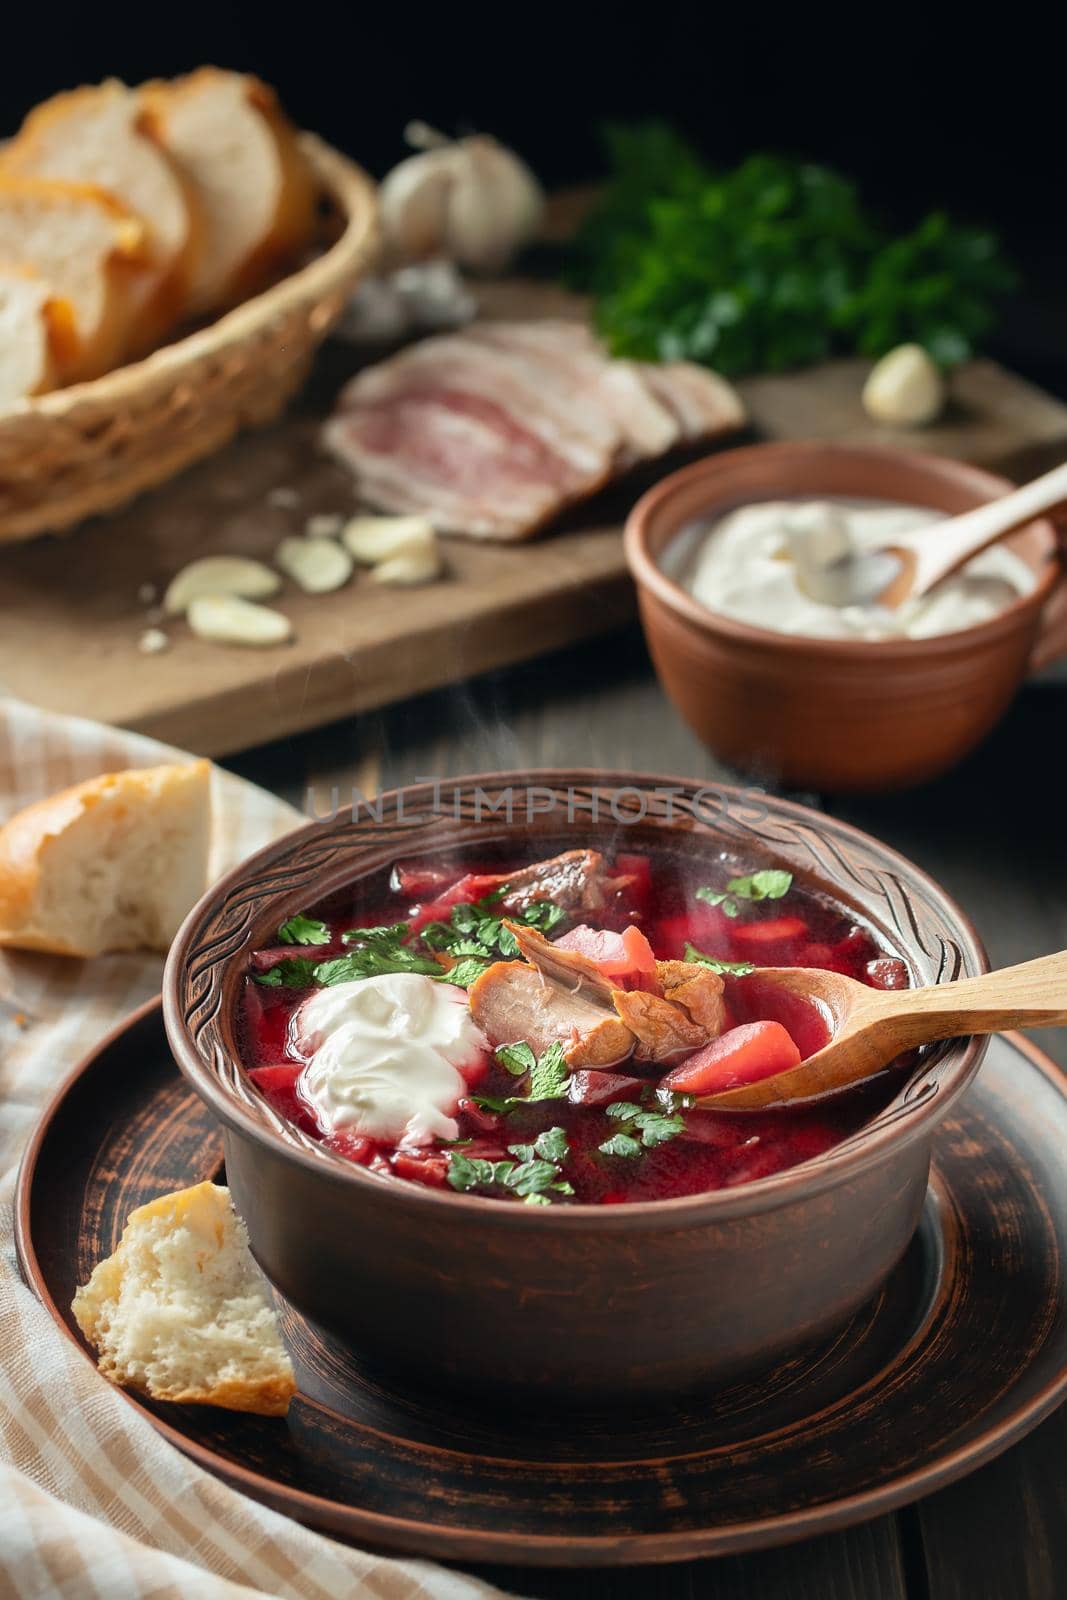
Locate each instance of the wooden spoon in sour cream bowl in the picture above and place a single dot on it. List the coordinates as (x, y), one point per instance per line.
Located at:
(869, 1028)
(915, 562)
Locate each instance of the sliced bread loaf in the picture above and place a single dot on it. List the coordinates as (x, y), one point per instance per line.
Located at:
(37, 337)
(255, 190)
(181, 1312)
(99, 135)
(111, 864)
(89, 247)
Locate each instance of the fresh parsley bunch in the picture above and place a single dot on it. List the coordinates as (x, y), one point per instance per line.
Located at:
(775, 264)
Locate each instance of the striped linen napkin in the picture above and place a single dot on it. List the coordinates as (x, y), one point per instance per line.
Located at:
(92, 1501)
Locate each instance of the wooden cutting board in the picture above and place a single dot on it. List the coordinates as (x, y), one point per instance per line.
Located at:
(73, 610)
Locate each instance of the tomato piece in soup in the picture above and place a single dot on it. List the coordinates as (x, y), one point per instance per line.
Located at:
(742, 1055)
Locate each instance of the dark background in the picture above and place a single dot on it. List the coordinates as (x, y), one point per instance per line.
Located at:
(925, 109)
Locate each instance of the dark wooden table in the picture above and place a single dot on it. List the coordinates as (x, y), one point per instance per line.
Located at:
(993, 834)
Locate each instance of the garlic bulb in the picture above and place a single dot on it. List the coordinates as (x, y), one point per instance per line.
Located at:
(905, 388)
(472, 201)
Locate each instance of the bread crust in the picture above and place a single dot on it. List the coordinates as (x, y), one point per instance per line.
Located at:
(25, 838)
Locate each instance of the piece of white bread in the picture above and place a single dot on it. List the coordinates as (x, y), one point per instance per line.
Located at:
(181, 1312)
(114, 863)
(89, 247)
(37, 338)
(255, 190)
(100, 135)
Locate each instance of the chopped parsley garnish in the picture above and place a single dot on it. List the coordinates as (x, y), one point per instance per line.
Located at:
(474, 936)
(652, 1126)
(547, 1074)
(303, 930)
(518, 1058)
(620, 1144)
(465, 972)
(551, 1145)
(372, 962)
(730, 969)
(770, 884)
(533, 1173)
(386, 933)
(549, 1079)
(476, 930)
(298, 972)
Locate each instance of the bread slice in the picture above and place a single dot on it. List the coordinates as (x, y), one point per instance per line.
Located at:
(112, 864)
(37, 337)
(99, 135)
(89, 247)
(256, 192)
(181, 1311)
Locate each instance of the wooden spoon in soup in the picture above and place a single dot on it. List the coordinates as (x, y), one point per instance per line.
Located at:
(870, 1028)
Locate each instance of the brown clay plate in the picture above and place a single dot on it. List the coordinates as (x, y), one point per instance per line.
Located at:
(962, 1353)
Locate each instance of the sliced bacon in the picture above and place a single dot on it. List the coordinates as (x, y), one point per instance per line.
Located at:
(493, 431)
(463, 464)
(588, 437)
(567, 354)
(701, 402)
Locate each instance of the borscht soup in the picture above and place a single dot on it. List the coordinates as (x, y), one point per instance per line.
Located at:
(540, 1032)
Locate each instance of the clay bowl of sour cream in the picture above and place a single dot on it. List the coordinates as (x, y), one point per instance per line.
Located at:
(807, 694)
(650, 1262)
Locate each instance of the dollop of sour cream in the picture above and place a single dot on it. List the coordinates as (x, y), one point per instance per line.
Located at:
(384, 1056)
(750, 564)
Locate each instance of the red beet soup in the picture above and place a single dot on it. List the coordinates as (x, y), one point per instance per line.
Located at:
(537, 1032)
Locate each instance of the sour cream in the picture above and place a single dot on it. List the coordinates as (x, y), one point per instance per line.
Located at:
(751, 563)
(384, 1056)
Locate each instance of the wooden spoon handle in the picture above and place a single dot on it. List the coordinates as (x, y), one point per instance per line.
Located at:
(1031, 995)
(972, 532)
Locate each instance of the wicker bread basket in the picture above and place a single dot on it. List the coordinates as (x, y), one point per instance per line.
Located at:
(95, 446)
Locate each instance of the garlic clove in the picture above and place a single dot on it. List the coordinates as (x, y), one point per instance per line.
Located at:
(228, 619)
(316, 564)
(905, 388)
(374, 539)
(236, 575)
(414, 564)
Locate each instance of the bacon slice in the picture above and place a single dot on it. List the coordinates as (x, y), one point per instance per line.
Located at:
(567, 355)
(493, 431)
(701, 402)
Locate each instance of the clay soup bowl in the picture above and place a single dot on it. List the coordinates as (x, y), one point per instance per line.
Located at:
(578, 1302)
